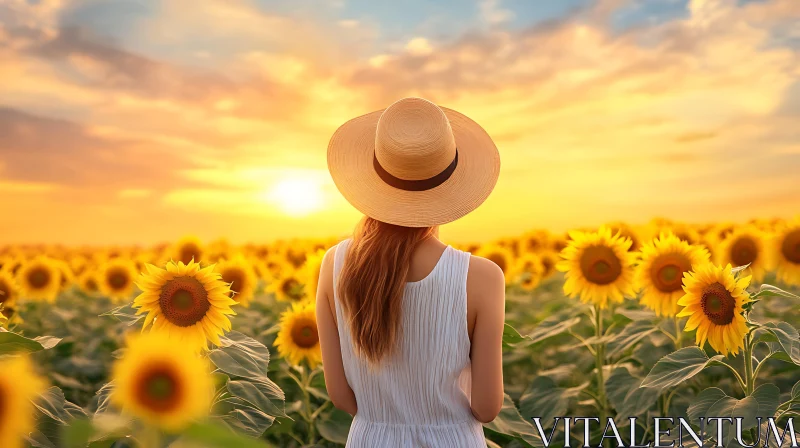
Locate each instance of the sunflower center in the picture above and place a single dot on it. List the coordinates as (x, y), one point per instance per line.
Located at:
(718, 304)
(39, 277)
(118, 279)
(548, 265)
(667, 272)
(304, 333)
(159, 390)
(190, 252)
(235, 278)
(5, 292)
(290, 287)
(791, 246)
(91, 285)
(184, 301)
(744, 251)
(600, 265)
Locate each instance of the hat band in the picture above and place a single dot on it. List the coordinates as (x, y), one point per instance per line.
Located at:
(415, 185)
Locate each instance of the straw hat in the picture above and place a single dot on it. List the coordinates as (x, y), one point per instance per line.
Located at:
(413, 164)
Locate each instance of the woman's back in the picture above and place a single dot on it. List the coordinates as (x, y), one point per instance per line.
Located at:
(419, 395)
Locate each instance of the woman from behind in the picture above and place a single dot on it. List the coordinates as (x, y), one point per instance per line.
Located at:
(411, 328)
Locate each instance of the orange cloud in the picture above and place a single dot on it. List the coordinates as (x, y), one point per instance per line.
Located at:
(691, 118)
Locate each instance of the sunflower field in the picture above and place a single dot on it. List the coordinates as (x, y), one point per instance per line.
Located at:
(195, 344)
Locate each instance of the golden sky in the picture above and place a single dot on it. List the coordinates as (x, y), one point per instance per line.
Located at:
(139, 122)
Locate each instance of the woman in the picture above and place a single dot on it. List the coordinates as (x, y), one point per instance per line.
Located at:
(410, 328)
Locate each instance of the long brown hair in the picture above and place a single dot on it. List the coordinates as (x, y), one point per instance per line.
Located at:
(372, 281)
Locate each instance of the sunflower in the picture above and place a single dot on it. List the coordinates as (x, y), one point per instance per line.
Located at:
(714, 299)
(659, 275)
(598, 266)
(162, 382)
(274, 265)
(534, 241)
(188, 249)
(310, 273)
(498, 254)
(9, 291)
(786, 252)
(9, 263)
(19, 384)
(116, 278)
(746, 245)
(88, 282)
(627, 232)
(287, 287)
(684, 232)
(67, 276)
(549, 261)
(298, 338)
(296, 255)
(191, 303)
(39, 279)
(528, 271)
(239, 273)
(557, 243)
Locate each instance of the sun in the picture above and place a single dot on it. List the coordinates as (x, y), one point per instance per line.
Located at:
(296, 196)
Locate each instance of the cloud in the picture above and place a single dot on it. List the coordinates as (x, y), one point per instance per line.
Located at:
(493, 14)
(196, 113)
(46, 154)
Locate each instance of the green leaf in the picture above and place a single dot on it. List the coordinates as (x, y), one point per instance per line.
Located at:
(242, 356)
(546, 400)
(264, 395)
(213, 435)
(629, 336)
(723, 407)
(77, 433)
(704, 401)
(240, 416)
(15, 343)
(796, 391)
(511, 336)
(53, 404)
(738, 269)
(678, 367)
(762, 403)
(774, 291)
(626, 396)
(334, 426)
(509, 422)
(788, 340)
(713, 402)
(552, 326)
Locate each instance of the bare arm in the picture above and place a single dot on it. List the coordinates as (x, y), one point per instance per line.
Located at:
(486, 291)
(335, 381)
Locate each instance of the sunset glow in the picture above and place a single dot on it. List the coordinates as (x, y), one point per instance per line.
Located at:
(296, 197)
(140, 122)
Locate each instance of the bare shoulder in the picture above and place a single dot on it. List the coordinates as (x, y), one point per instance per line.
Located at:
(485, 270)
(485, 279)
(326, 270)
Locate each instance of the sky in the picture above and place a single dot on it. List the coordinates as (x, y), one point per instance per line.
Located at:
(127, 121)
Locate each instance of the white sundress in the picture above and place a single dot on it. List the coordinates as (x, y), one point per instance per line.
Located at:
(420, 396)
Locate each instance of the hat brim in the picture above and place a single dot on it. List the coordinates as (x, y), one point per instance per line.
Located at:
(350, 162)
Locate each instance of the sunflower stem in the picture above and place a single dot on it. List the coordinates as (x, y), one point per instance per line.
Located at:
(308, 415)
(600, 361)
(150, 438)
(748, 365)
(678, 333)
